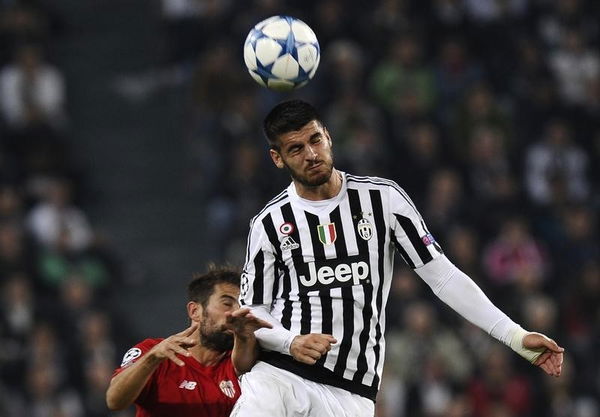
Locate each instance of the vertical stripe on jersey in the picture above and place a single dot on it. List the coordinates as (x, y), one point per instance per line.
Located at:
(305, 311)
(413, 235)
(401, 250)
(363, 247)
(325, 295)
(258, 283)
(378, 215)
(285, 277)
(347, 302)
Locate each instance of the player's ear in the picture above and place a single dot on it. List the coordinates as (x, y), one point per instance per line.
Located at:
(276, 157)
(194, 311)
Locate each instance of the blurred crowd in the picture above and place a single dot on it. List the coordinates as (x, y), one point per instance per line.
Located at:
(486, 111)
(59, 333)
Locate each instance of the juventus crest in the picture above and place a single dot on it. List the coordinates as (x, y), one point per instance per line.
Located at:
(364, 228)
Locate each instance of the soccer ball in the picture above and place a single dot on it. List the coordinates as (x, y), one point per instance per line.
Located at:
(282, 53)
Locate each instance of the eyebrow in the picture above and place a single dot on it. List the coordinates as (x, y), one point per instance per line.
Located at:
(315, 135)
(229, 297)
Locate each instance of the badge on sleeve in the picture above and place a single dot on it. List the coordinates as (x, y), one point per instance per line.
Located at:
(130, 356)
(428, 239)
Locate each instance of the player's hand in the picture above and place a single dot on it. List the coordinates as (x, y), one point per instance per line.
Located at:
(551, 358)
(243, 323)
(178, 343)
(308, 348)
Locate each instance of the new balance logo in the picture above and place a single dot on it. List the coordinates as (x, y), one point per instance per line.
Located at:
(190, 385)
(289, 244)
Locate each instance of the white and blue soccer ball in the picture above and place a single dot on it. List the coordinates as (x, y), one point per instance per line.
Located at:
(282, 53)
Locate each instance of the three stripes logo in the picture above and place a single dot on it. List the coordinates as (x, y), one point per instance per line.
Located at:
(289, 244)
(327, 233)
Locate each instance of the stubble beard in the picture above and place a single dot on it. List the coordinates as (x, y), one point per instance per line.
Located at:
(213, 339)
(312, 182)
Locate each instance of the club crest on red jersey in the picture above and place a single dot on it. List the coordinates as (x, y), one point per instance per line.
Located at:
(227, 388)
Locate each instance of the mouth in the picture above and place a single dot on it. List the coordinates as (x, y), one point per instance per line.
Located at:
(315, 166)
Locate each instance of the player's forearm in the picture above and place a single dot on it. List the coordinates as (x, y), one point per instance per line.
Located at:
(244, 354)
(277, 339)
(127, 386)
(457, 290)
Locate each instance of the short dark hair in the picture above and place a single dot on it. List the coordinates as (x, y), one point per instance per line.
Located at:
(288, 116)
(202, 286)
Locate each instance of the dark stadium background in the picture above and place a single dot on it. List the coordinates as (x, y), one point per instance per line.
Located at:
(145, 147)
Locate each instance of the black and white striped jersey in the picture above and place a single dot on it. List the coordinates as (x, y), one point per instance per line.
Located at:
(326, 267)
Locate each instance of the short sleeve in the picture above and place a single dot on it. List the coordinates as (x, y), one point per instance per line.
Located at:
(412, 239)
(132, 356)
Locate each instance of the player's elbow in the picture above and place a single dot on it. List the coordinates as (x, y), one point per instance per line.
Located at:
(115, 402)
(243, 367)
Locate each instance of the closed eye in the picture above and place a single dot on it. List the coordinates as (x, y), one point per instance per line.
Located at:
(294, 149)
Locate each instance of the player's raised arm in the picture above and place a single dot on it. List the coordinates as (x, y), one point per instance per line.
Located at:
(420, 251)
(126, 386)
(245, 347)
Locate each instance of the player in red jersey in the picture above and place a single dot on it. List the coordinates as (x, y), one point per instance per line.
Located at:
(194, 372)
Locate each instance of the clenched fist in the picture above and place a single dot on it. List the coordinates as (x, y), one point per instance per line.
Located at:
(309, 348)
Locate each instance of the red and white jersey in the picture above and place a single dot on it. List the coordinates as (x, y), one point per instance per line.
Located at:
(193, 390)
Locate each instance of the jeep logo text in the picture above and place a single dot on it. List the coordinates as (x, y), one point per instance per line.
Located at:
(327, 275)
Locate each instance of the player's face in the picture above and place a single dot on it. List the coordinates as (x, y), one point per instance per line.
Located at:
(306, 154)
(212, 332)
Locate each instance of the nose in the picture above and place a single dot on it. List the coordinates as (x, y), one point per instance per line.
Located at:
(311, 152)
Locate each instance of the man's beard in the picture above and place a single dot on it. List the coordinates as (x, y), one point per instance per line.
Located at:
(214, 339)
(314, 182)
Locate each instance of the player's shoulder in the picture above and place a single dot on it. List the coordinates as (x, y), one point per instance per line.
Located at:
(138, 350)
(147, 344)
(273, 204)
(150, 342)
(371, 182)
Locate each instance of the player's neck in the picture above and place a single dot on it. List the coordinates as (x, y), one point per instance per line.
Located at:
(207, 357)
(321, 192)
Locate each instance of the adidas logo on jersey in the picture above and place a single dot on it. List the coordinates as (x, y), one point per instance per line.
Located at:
(328, 276)
(289, 244)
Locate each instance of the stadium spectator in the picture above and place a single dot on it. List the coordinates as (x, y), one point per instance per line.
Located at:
(576, 68)
(402, 83)
(556, 167)
(33, 91)
(427, 359)
(55, 222)
(512, 253)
